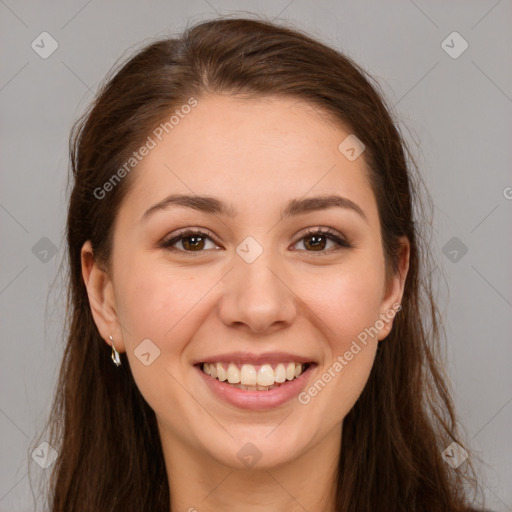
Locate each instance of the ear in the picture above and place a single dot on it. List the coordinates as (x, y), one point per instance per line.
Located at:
(100, 291)
(395, 289)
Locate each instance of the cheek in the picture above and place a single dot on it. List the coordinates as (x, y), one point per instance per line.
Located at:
(154, 301)
(346, 299)
(161, 306)
(347, 303)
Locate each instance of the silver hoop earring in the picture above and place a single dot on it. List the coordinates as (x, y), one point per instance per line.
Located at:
(115, 353)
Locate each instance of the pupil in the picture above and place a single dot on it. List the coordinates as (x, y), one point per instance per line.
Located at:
(315, 242)
(195, 240)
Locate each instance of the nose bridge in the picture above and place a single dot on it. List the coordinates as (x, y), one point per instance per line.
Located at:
(255, 293)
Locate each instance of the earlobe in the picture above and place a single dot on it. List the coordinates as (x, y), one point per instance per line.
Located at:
(101, 297)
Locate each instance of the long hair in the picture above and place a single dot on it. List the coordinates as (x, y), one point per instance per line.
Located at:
(110, 456)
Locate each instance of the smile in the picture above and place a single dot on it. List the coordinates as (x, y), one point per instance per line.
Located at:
(249, 377)
(255, 382)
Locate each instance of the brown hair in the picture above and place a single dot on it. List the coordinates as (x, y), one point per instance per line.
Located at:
(110, 456)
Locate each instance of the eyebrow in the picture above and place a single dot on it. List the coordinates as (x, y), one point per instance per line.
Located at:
(294, 207)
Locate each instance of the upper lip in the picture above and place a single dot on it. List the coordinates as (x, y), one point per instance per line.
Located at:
(255, 359)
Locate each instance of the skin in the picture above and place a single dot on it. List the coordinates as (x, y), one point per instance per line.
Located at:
(256, 154)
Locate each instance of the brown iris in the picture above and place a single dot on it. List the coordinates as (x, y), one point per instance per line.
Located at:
(197, 242)
(317, 244)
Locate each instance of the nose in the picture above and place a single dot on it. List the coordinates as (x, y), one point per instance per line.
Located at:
(258, 296)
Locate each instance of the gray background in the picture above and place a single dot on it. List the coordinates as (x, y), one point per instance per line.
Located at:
(456, 113)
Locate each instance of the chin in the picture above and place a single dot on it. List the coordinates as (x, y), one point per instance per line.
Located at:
(259, 447)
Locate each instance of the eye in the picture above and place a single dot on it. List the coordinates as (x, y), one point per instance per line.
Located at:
(191, 241)
(195, 241)
(317, 239)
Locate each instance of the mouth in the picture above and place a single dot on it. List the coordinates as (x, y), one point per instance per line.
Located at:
(255, 386)
(249, 377)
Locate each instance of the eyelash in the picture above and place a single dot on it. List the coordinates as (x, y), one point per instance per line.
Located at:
(186, 233)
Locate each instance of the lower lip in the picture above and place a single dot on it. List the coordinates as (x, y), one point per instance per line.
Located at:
(257, 400)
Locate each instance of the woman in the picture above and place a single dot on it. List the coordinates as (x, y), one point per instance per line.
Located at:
(251, 323)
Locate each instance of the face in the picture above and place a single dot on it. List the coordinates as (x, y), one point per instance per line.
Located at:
(273, 266)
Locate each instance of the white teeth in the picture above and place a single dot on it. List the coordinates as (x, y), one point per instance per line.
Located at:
(251, 378)
(265, 375)
(233, 374)
(280, 373)
(221, 373)
(290, 371)
(248, 375)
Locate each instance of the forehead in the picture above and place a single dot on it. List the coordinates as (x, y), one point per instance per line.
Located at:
(250, 152)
